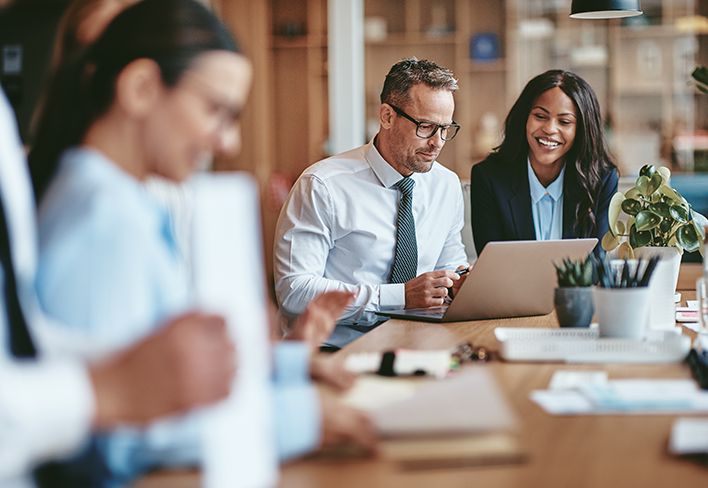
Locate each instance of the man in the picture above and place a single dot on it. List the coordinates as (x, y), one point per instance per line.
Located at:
(382, 220)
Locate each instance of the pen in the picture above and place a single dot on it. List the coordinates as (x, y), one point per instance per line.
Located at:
(461, 272)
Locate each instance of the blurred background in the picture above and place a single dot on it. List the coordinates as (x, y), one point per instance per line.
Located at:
(639, 67)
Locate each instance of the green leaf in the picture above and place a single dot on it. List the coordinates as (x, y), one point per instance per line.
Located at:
(666, 225)
(679, 213)
(632, 193)
(661, 209)
(647, 170)
(671, 194)
(625, 251)
(700, 74)
(587, 273)
(620, 228)
(631, 206)
(642, 185)
(655, 182)
(609, 241)
(639, 238)
(687, 238)
(647, 220)
(614, 209)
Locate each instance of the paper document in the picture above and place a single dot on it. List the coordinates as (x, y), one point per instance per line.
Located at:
(469, 402)
(689, 436)
(636, 396)
(238, 437)
(463, 420)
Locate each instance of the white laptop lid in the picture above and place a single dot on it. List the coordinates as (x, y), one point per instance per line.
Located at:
(514, 279)
(228, 278)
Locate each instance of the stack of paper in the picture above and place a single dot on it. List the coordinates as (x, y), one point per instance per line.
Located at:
(636, 396)
(460, 420)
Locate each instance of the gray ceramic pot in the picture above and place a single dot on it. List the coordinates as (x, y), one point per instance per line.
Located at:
(574, 306)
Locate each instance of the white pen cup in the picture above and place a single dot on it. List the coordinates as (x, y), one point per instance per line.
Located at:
(622, 312)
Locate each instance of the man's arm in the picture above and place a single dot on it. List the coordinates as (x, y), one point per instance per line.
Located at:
(48, 408)
(303, 240)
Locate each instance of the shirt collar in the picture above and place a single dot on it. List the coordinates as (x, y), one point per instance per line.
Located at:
(538, 191)
(386, 174)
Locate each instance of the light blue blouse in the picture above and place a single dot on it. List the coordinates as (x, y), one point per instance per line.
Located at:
(547, 206)
(109, 265)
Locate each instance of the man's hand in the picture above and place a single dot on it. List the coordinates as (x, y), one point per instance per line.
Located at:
(342, 424)
(429, 289)
(326, 369)
(458, 284)
(317, 322)
(188, 363)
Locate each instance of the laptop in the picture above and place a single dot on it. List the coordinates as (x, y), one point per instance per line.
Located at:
(509, 279)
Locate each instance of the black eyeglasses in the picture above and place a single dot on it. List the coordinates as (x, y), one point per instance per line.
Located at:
(426, 130)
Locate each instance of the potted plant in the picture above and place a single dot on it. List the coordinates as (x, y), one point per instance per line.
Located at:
(651, 218)
(651, 213)
(573, 297)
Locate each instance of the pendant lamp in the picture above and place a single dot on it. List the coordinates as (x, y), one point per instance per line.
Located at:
(604, 9)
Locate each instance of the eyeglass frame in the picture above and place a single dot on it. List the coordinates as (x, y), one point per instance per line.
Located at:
(418, 123)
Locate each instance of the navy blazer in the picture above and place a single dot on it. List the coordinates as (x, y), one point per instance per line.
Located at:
(501, 203)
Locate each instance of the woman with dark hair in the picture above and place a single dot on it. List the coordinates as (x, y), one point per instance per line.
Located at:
(157, 93)
(552, 177)
(161, 88)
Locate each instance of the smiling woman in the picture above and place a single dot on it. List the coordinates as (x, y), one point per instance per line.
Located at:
(552, 176)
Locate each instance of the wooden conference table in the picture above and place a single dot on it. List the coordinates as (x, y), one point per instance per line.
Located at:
(578, 451)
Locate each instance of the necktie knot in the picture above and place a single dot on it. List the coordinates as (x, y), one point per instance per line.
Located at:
(405, 185)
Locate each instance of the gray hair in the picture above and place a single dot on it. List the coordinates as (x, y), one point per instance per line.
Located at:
(409, 72)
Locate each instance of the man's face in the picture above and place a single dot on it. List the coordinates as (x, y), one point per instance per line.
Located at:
(410, 153)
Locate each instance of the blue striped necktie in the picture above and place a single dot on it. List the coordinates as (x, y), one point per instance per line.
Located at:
(405, 259)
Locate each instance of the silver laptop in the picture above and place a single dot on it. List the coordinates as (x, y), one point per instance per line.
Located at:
(509, 279)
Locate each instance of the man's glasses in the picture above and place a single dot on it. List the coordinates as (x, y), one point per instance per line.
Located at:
(426, 130)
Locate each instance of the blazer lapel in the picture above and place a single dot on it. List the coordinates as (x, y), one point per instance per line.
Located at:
(570, 202)
(520, 204)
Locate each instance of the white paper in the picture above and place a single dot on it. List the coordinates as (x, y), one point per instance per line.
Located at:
(238, 437)
(468, 402)
(566, 380)
(637, 396)
(689, 436)
(407, 362)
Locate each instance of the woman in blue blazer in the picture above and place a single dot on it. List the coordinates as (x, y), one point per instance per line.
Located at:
(552, 176)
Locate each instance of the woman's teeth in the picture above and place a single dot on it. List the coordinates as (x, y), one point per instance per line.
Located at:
(548, 143)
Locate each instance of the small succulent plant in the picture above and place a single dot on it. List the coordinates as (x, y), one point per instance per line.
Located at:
(573, 273)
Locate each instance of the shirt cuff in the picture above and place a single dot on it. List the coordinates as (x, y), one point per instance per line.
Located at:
(298, 420)
(32, 432)
(392, 295)
(291, 361)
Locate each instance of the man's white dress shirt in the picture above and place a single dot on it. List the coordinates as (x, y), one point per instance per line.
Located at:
(337, 231)
(46, 406)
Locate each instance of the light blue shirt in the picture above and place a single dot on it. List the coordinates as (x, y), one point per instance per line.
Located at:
(547, 206)
(109, 264)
